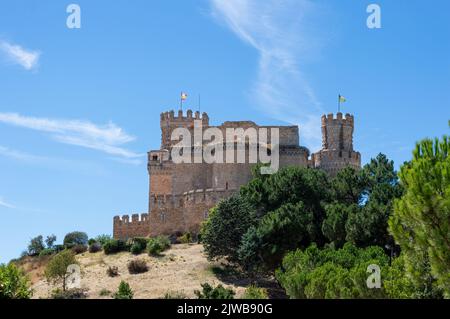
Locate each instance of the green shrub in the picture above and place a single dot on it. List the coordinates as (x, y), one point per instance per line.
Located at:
(75, 293)
(91, 241)
(46, 252)
(95, 247)
(75, 238)
(103, 239)
(36, 246)
(138, 245)
(14, 284)
(104, 293)
(137, 266)
(157, 245)
(124, 291)
(185, 239)
(114, 246)
(219, 292)
(254, 292)
(175, 295)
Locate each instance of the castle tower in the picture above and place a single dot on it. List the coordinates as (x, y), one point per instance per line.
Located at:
(337, 145)
(169, 122)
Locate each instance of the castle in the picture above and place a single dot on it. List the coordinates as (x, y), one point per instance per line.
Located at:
(181, 194)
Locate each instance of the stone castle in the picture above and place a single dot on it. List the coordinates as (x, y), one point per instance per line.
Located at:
(180, 195)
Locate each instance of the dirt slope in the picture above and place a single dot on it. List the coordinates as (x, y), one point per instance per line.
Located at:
(182, 269)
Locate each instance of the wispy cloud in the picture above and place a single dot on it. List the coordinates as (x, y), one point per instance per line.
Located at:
(28, 59)
(282, 34)
(107, 138)
(3, 203)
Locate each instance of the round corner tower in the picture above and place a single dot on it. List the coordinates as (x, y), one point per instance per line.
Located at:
(337, 145)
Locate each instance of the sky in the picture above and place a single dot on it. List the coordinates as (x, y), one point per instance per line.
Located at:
(79, 108)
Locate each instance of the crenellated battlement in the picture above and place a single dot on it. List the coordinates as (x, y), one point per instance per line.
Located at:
(180, 117)
(330, 119)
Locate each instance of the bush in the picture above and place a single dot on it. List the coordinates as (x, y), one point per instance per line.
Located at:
(175, 295)
(36, 246)
(114, 246)
(219, 292)
(75, 238)
(56, 270)
(75, 293)
(79, 249)
(46, 252)
(91, 241)
(254, 292)
(157, 245)
(14, 284)
(185, 239)
(138, 245)
(95, 247)
(112, 271)
(104, 293)
(103, 239)
(137, 266)
(124, 291)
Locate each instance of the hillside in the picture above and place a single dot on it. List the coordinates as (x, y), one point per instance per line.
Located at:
(183, 268)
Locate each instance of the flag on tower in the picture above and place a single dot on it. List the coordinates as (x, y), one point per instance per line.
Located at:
(183, 96)
(342, 99)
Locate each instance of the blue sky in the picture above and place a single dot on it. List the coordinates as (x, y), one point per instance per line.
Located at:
(79, 108)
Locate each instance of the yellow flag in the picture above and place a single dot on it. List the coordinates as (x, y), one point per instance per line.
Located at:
(342, 99)
(184, 96)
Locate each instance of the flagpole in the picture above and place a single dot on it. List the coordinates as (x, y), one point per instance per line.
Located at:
(339, 103)
(181, 101)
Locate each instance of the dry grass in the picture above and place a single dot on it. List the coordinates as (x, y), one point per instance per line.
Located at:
(180, 269)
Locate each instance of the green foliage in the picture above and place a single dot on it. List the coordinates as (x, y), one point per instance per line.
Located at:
(288, 227)
(362, 203)
(14, 284)
(329, 273)
(254, 292)
(103, 239)
(222, 232)
(75, 238)
(114, 246)
(46, 252)
(219, 292)
(36, 246)
(137, 266)
(124, 291)
(50, 241)
(56, 270)
(91, 241)
(175, 295)
(157, 245)
(104, 293)
(421, 220)
(138, 245)
(186, 238)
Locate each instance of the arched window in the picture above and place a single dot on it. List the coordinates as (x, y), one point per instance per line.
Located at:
(162, 216)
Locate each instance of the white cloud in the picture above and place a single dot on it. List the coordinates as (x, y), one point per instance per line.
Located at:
(26, 58)
(282, 34)
(107, 138)
(3, 203)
